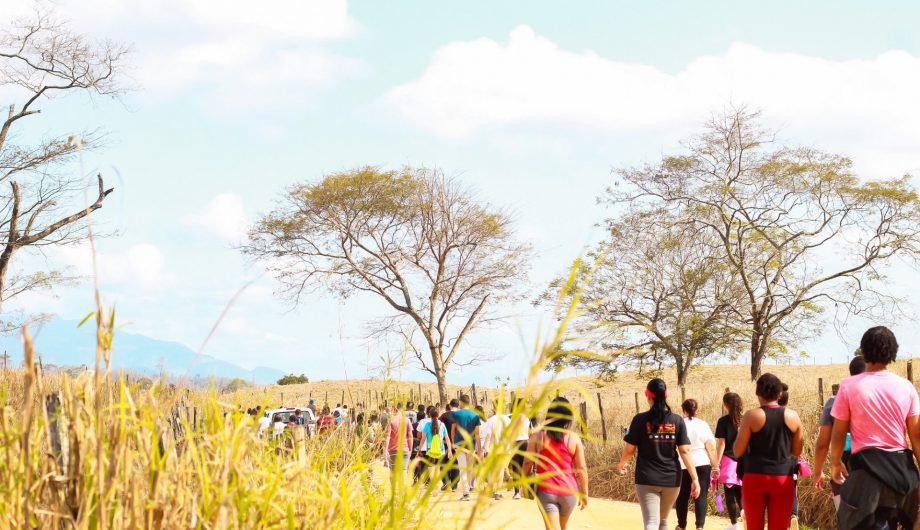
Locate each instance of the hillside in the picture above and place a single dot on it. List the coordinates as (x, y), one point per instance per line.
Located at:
(61, 342)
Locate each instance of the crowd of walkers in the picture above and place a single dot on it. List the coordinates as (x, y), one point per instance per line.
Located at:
(752, 461)
(869, 428)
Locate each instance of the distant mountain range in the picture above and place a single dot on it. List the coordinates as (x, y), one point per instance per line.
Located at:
(62, 343)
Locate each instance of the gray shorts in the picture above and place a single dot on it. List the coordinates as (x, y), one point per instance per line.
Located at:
(393, 457)
(564, 505)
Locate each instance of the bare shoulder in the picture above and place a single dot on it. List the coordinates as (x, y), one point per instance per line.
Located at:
(792, 418)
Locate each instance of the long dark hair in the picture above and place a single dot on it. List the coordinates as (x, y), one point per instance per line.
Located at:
(657, 389)
(735, 405)
(559, 418)
(435, 426)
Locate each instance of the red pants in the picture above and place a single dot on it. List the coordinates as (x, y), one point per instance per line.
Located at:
(770, 495)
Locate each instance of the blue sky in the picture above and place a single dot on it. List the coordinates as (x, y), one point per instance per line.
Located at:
(531, 103)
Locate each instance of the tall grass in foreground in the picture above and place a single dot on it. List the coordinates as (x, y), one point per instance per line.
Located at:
(95, 452)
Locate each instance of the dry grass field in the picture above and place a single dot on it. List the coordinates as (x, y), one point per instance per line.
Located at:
(97, 452)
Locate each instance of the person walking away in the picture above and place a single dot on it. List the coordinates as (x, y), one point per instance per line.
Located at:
(421, 447)
(491, 434)
(659, 438)
(703, 454)
(769, 443)
(876, 407)
(726, 434)
(278, 426)
(438, 447)
(561, 459)
(794, 519)
(265, 421)
(465, 437)
(521, 438)
(399, 442)
(823, 441)
(453, 473)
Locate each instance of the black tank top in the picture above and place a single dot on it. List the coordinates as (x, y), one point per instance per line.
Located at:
(770, 449)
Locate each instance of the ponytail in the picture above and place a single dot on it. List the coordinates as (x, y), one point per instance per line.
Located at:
(657, 390)
(435, 426)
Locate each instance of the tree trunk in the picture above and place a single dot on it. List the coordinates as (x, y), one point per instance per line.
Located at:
(5, 259)
(441, 376)
(682, 373)
(759, 341)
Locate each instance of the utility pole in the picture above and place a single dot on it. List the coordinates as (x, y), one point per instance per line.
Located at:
(6, 360)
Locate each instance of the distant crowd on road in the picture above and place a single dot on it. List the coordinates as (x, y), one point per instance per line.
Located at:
(870, 429)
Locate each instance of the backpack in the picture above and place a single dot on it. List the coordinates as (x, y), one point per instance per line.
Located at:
(435, 447)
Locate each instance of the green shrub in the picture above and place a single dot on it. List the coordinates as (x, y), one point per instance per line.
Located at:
(292, 379)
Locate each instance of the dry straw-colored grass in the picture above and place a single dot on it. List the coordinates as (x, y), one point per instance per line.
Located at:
(107, 454)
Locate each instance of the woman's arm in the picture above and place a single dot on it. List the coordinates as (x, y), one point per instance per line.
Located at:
(628, 452)
(581, 473)
(822, 444)
(798, 436)
(684, 452)
(713, 458)
(528, 460)
(720, 448)
(744, 436)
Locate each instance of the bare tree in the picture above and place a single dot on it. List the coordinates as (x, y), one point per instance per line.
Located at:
(41, 59)
(799, 230)
(420, 241)
(653, 295)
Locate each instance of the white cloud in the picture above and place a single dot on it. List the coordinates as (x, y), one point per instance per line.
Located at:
(141, 266)
(224, 217)
(484, 85)
(235, 52)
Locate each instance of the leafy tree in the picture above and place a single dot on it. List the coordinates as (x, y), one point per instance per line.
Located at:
(418, 240)
(655, 296)
(798, 229)
(292, 379)
(235, 384)
(41, 59)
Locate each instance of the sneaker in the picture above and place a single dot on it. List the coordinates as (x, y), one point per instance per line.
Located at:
(516, 496)
(465, 497)
(497, 496)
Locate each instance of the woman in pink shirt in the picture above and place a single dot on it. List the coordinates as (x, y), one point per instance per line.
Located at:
(880, 410)
(561, 466)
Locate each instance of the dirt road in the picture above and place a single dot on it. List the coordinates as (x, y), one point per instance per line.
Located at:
(509, 514)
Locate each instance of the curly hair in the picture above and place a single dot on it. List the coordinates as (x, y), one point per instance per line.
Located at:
(770, 387)
(878, 345)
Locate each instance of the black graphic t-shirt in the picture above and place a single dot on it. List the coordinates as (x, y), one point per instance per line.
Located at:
(657, 462)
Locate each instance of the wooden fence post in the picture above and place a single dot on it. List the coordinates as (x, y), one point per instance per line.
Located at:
(343, 396)
(600, 408)
(513, 400)
(420, 396)
(637, 403)
(584, 417)
(821, 391)
(475, 400)
(58, 435)
(910, 370)
(282, 399)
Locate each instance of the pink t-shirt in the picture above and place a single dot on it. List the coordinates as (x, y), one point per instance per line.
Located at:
(393, 433)
(876, 404)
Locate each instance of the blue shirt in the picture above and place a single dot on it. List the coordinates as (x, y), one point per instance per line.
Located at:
(466, 421)
(426, 430)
